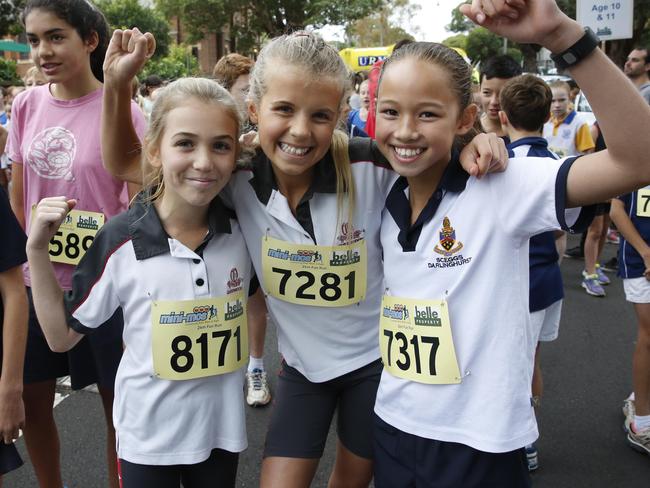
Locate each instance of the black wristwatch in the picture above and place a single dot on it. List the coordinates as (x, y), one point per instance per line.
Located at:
(576, 53)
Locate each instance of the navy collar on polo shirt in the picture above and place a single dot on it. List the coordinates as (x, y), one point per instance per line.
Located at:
(323, 181)
(538, 146)
(454, 179)
(149, 237)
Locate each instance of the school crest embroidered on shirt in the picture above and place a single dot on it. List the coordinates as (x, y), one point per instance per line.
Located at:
(448, 244)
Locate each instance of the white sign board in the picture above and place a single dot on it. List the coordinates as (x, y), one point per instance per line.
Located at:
(609, 19)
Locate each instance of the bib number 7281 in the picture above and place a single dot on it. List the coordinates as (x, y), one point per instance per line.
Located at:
(324, 276)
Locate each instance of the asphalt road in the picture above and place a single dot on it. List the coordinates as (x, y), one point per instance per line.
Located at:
(587, 375)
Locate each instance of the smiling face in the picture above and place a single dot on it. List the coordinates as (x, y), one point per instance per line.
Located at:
(197, 152)
(56, 47)
(296, 118)
(418, 117)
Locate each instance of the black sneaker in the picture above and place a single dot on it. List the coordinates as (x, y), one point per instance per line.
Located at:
(575, 253)
(611, 265)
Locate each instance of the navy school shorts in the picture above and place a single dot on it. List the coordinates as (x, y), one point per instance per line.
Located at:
(405, 460)
(302, 412)
(93, 360)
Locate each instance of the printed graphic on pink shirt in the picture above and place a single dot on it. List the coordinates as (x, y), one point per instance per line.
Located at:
(52, 152)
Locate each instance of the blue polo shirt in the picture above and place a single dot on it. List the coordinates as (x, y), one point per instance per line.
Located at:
(630, 261)
(546, 285)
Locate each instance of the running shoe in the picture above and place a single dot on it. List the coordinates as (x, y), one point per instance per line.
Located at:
(611, 265)
(603, 279)
(591, 285)
(639, 441)
(258, 392)
(628, 412)
(531, 457)
(613, 237)
(575, 253)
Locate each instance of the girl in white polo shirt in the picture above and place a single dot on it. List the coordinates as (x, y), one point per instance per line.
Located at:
(177, 265)
(454, 403)
(309, 206)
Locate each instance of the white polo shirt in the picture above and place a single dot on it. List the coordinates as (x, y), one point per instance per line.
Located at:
(484, 279)
(321, 342)
(131, 263)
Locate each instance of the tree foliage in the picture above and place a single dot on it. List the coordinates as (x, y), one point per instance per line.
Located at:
(126, 14)
(251, 20)
(383, 26)
(8, 74)
(10, 16)
(177, 64)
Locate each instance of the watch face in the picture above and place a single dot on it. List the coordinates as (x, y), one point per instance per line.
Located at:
(569, 58)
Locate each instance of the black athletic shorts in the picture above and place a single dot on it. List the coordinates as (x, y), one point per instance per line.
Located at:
(219, 470)
(94, 359)
(302, 412)
(405, 460)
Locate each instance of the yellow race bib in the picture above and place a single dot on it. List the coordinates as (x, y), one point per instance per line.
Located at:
(643, 202)
(416, 341)
(75, 235)
(199, 338)
(323, 276)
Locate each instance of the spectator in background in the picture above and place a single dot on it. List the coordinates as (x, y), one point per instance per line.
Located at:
(373, 83)
(33, 77)
(232, 72)
(149, 86)
(636, 68)
(495, 73)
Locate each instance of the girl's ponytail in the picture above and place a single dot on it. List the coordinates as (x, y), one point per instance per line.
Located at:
(344, 182)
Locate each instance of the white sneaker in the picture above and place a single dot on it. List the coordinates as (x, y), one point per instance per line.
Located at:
(257, 388)
(628, 412)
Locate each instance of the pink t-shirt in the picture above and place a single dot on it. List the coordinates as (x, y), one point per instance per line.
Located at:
(58, 143)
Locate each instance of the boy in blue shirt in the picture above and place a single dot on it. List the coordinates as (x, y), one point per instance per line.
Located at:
(525, 107)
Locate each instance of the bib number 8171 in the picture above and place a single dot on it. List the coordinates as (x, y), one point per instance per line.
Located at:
(330, 284)
(182, 358)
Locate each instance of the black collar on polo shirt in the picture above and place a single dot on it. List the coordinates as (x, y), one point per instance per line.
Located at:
(149, 237)
(454, 179)
(323, 181)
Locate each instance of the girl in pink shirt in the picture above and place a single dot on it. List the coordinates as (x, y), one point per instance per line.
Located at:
(55, 148)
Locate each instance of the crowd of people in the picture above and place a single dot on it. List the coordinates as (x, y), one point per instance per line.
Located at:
(152, 227)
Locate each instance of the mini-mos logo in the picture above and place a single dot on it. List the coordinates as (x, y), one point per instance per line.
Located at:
(396, 312)
(199, 313)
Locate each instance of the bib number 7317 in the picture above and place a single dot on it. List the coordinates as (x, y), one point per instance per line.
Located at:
(416, 341)
(324, 276)
(198, 338)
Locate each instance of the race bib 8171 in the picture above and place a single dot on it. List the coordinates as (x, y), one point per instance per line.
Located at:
(198, 338)
(323, 276)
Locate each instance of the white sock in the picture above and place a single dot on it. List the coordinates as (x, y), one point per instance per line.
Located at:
(255, 363)
(631, 397)
(641, 422)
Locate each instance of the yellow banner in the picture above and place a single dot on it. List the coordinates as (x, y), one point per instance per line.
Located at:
(322, 276)
(199, 338)
(416, 341)
(74, 237)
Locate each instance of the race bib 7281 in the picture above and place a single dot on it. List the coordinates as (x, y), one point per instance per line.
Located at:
(198, 338)
(323, 276)
(416, 342)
